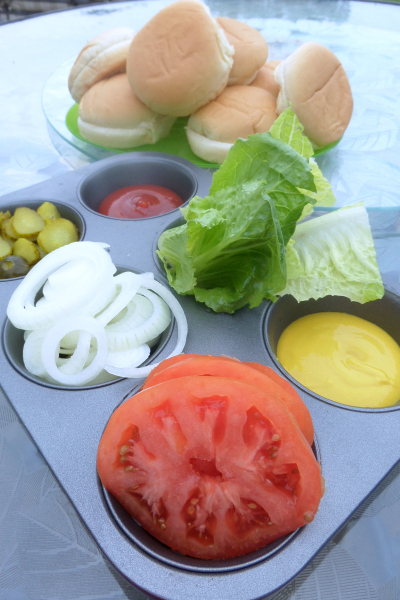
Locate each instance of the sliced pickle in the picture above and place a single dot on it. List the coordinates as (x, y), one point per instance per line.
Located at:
(19, 232)
(13, 266)
(27, 223)
(56, 234)
(8, 231)
(5, 248)
(27, 250)
(4, 216)
(48, 212)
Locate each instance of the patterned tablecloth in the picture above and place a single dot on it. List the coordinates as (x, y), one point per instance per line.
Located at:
(45, 551)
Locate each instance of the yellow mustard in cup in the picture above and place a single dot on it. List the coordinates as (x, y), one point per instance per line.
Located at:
(343, 358)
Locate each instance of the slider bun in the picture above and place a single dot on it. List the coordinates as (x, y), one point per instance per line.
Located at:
(313, 81)
(103, 56)
(265, 78)
(180, 59)
(238, 112)
(111, 115)
(251, 50)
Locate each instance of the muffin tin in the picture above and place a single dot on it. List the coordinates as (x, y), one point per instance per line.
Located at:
(356, 447)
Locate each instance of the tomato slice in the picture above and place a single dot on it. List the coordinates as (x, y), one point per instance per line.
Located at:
(168, 362)
(273, 375)
(212, 467)
(221, 366)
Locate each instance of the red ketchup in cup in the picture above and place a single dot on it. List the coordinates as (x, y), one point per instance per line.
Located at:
(139, 202)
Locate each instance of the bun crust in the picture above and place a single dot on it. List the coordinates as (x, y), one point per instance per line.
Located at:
(265, 78)
(238, 112)
(179, 60)
(314, 82)
(209, 150)
(251, 50)
(103, 56)
(111, 115)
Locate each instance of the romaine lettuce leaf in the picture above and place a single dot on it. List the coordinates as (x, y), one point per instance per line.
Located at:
(240, 244)
(334, 255)
(288, 128)
(231, 252)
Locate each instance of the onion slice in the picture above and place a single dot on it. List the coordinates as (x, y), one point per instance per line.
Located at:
(77, 361)
(129, 284)
(31, 354)
(22, 311)
(128, 334)
(90, 323)
(128, 358)
(51, 345)
(182, 326)
(135, 313)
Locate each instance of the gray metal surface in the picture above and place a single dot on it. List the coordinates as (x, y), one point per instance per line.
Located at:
(357, 448)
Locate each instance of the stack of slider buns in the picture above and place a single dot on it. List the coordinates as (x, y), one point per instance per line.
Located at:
(185, 63)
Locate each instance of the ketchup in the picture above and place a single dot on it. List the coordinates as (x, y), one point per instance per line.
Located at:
(139, 201)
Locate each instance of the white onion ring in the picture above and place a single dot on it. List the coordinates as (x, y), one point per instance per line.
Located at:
(77, 361)
(131, 334)
(181, 322)
(79, 280)
(22, 311)
(177, 311)
(154, 341)
(129, 283)
(128, 358)
(51, 344)
(135, 313)
(31, 352)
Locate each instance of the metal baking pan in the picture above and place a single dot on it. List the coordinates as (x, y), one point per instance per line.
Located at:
(357, 447)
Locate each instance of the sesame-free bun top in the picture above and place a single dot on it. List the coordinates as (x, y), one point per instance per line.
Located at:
(103, 56)
(180, 60)
(251, 50)
(265, 78)
(111, 115)
(238, 112)
(312, 80)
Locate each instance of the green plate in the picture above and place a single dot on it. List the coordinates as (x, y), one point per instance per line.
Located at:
(174, 143)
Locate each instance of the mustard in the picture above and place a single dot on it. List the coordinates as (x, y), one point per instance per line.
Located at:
(343, 358)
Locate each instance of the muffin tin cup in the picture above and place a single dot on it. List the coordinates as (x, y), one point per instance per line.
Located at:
(385, 313)
(119, 172)
(13, 340)
(66, 212)
(357, 448)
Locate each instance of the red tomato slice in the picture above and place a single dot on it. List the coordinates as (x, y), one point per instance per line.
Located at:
(273, 375)
(168, 362)
(212, 467)
(221, 366)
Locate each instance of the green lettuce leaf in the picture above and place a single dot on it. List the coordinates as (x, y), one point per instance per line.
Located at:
(286, 175)
(323, 196)
(176, 260)
(243, 244)
(288, 128)
(334, 255)
(231, 252)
